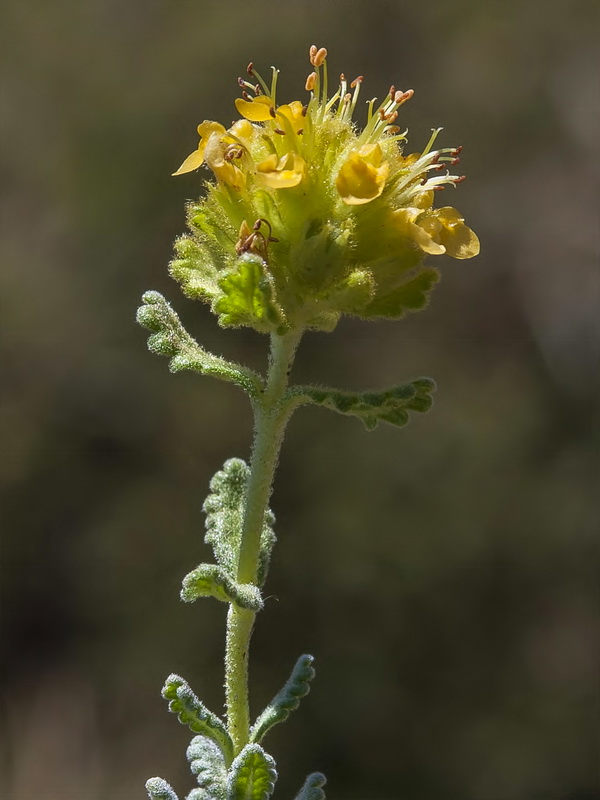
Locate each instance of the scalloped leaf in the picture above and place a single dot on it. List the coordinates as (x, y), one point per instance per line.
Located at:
(287, 700)
(211, 580)
(249, 297)
(392, 406)
(159, 789)
(224, 508)
(413, 295)
(312, 789)
(208, 765)
(193, 713)
(170, 338)
(252, 775)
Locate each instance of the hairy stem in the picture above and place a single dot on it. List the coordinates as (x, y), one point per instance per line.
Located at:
(271, 414)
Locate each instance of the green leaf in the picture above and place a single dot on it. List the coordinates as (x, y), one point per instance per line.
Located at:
(159, 789)
(211, 580)
(224, 508)
(170, 338)
(208, 765)
(410, 296)
(249, 297)
(252, 775)
(312, 788)
(392, 406)
(287, 700)
(193, 713)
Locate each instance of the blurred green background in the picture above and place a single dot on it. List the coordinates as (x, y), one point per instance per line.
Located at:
(442, 575)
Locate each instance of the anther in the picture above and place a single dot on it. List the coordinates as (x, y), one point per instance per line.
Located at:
(246, 96)
(257, 89)
(457, 150)
(250, 69)
(320, 57)
(402, 97)
(342, 77)
(280, 132)
(438, 188)
(356, 81)
(272, 112)
(312, 53)
(392, 91)
(310, 82)
(460, 179)
(304, 110)
(300, 131)
(241, 82)
(454, 161)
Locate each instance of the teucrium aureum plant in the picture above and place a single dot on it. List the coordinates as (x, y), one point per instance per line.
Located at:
(304, 217)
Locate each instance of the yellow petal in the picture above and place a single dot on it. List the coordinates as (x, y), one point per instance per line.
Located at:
(458, 239)
(192, 162)
(284, 173)
(371, 153)
(293, 113)
(207, 127)
(230, 174)
(256, 110)
(242, 129)
(360, 179)
(403, 219)
(423, 200)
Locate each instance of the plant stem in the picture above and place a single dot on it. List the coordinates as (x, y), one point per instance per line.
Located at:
(271, 414)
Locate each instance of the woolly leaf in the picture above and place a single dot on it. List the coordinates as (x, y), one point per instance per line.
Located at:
(287, 700)
(208, 765)
(249, 297)
(392, 406)
(224, 509)
(211, 580)
(170, 338)
(193, 713)
(410, 296)
(312, 788)
(252, 775)
(159, 789)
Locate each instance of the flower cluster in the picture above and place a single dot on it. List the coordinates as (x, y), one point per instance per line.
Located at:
(308, 217)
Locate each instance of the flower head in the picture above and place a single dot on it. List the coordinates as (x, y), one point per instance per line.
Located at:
(332, 218)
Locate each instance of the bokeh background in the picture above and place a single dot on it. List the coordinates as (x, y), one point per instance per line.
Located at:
(442, 575)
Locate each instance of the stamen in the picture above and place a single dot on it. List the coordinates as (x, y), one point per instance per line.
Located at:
(310, 82)
(320, 57)
(250, 69)
(280, 132)
(356, 81)
(312, 53)
(402, 97)
(257, 89)
(272, 112)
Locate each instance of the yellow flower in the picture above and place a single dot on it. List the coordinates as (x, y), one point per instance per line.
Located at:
(281, 173)
(196, 159)
(218, 155)
(362, 175)
(293, 114)
(436, 231)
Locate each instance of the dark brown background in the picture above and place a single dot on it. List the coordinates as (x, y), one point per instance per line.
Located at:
(443, 575)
